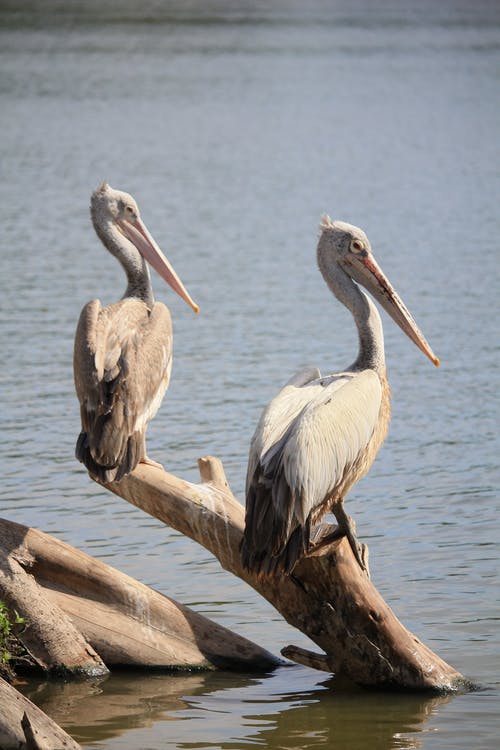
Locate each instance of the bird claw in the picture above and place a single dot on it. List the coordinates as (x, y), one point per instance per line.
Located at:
(321, 536)
(149, 462)
(363, 562)
(360, 551)
(347, 527)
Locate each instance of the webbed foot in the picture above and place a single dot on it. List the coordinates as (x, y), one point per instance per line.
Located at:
(347, 527)
(150, 462)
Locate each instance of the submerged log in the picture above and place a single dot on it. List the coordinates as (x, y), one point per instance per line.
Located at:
(23, 726)
(119, 620)
(328, 597)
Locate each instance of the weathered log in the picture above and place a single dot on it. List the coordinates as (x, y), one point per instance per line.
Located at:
(23, 726)
(328, 597)
(126, 622)
(48, 635)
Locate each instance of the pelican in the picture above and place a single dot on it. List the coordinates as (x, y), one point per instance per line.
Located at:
(320, 435)
(123, 352)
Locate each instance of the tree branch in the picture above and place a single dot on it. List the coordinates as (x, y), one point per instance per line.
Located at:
(328, 597)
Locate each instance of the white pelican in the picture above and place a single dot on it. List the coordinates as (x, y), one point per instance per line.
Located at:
(320, 435)
(123, 352)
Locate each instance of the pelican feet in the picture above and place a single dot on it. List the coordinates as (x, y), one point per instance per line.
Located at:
(346, 527)
(149, 461)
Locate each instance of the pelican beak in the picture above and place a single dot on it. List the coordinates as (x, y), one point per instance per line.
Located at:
(136, 231)
(366, 271)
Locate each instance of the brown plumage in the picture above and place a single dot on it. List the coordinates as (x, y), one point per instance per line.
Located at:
(320, 435)
(123, 352)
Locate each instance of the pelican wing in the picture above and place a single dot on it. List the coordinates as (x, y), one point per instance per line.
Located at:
(278, 415)
(307, 440)
(122, 363)
(328, 439)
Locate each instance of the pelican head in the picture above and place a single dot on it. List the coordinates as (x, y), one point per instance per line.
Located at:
(117, 221)
(347, 247)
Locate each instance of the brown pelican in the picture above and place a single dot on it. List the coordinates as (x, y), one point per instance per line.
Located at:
(123, 352)
(320, 435)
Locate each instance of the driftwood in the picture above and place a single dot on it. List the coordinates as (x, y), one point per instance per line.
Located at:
(328, 597)
(23, 726)
(84, 616)
(65, 594)
(50, 638)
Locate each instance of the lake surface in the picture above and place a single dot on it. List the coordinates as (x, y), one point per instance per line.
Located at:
(236, 125)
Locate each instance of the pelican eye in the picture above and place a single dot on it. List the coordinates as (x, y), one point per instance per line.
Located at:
(130, 212)
(357, 246)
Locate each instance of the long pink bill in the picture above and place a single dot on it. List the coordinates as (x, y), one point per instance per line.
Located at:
(366, 271)
(138, 234)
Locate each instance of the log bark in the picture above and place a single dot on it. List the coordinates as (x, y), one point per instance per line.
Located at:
(328, 597)
(49, 636)
(119, 620)
(23, 726)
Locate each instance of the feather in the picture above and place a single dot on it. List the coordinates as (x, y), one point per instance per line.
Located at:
(305, 447)
(122, 364)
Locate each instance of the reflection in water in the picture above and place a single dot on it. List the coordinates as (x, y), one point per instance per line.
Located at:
(327, 716)
(108, 707)
(229, 712)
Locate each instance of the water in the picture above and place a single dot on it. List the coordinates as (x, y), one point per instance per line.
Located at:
(236, 125)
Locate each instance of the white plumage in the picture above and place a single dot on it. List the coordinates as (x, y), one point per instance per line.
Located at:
(319, 436)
